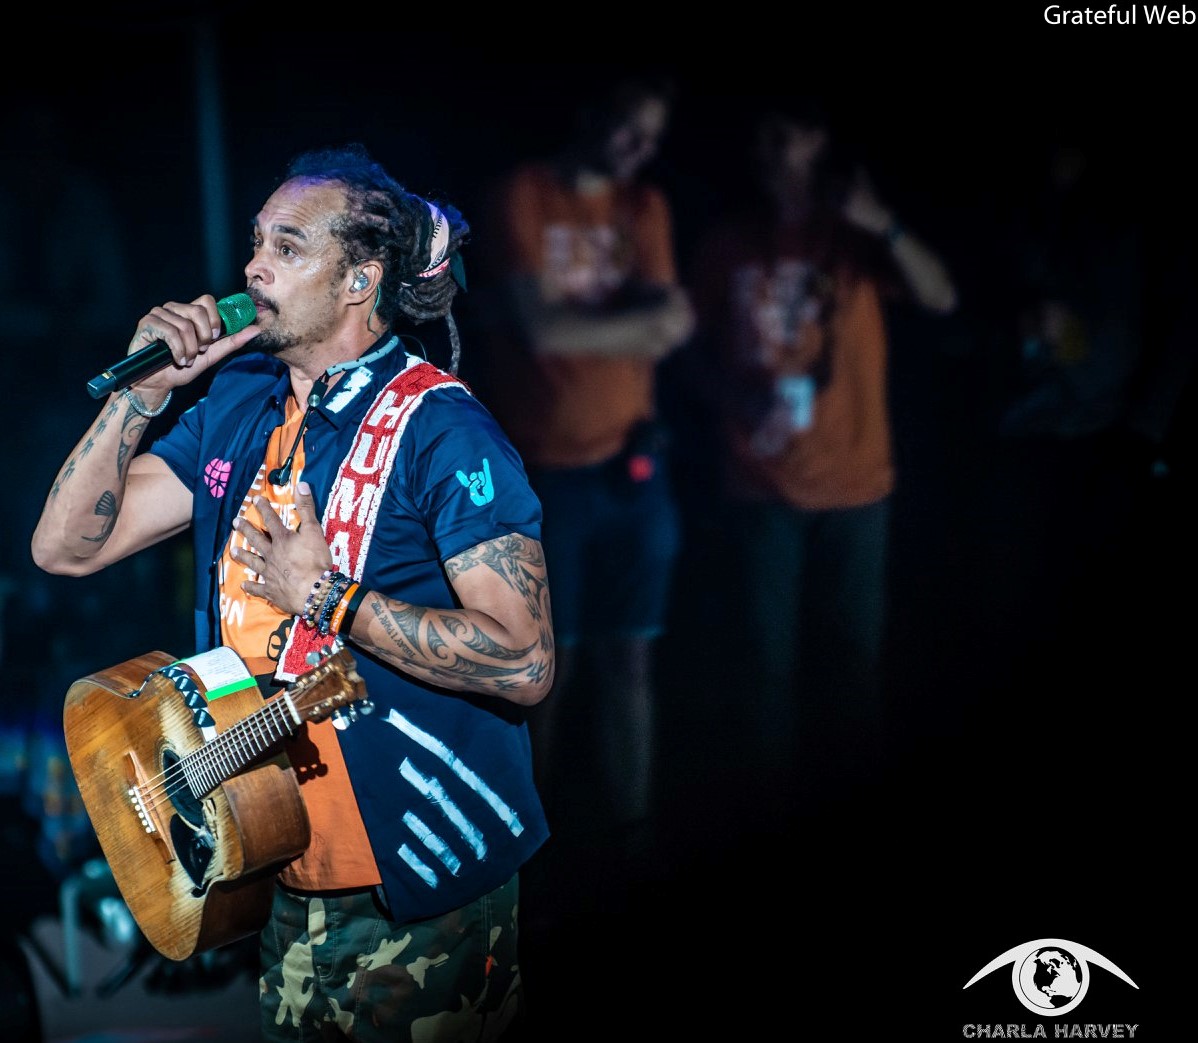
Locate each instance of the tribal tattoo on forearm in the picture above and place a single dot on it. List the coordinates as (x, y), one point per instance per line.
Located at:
(133, 426)
(452, 649)
(107, 507)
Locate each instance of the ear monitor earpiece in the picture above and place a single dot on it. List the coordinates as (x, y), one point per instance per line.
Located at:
(361, 281)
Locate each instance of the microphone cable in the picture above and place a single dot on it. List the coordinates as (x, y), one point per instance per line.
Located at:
(282, 474)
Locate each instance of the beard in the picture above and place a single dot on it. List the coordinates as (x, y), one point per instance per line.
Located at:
(275, 339)
(309, 326)
(271, 342)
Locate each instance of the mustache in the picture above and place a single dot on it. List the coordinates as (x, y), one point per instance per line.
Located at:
(262, 300)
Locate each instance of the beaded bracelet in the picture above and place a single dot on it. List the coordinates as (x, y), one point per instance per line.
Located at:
(332, 594)
(332, 598)
(308, 615)
(139, 407)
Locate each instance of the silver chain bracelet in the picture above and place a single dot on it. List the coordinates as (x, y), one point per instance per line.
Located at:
(139, 407)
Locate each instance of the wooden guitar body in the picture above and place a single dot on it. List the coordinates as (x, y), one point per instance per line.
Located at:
(194, 821)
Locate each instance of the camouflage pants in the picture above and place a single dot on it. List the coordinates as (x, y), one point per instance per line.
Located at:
(337, 968)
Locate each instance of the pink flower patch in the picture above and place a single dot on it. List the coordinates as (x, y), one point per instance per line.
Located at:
(216, 476)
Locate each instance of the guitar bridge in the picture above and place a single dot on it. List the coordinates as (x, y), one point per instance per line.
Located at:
(144, 806)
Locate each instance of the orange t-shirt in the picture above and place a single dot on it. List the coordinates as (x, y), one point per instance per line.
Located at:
(778, 308)
(339, 855)
(576, 410)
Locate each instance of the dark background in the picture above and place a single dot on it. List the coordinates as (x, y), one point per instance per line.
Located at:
(1041, 587)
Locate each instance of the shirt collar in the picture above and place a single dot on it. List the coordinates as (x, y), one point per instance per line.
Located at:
(357, 377)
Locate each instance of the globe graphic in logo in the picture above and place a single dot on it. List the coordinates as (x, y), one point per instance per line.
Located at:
(1051, 977)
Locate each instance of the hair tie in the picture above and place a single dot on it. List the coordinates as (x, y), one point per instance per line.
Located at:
(438, 246)
(439, 257)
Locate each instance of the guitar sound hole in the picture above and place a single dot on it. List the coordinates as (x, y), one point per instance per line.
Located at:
(190, 838)
(184, 801)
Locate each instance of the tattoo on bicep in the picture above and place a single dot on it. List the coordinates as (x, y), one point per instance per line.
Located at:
(106, 508)
(500, 555)
(521, 563)
(518, 560)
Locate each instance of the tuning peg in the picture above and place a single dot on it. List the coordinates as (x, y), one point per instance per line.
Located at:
(366, 707)
(348, 715)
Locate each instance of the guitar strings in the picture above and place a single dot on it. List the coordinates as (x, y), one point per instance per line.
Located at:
(279, 711)
(242, 738)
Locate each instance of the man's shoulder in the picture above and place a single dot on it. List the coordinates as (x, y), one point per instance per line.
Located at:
(247, 374)
(238, 382)
(451, 411)
(446, 393)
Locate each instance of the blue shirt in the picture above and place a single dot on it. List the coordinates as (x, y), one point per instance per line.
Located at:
(443, 779)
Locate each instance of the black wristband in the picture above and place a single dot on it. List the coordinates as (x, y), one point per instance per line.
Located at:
(351, 610)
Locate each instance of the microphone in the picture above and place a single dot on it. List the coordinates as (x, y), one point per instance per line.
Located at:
(236, 313)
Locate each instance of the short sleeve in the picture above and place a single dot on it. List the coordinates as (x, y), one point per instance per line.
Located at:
(464, 475)
(179, 448)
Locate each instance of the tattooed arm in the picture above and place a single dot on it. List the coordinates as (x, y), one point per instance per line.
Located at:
(500, 642)
(106, 503)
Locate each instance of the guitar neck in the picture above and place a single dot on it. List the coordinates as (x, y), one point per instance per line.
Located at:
(235, 749)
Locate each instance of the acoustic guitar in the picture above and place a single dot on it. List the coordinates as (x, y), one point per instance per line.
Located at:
(195, 805)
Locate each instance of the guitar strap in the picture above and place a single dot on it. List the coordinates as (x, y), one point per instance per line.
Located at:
(357, 493)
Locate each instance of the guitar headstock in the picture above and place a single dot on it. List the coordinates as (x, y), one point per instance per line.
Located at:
(331, 684)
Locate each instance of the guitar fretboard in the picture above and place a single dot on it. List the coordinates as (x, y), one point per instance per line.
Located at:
(239, 746)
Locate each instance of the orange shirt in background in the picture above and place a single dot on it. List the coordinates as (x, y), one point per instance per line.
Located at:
(778, 306)
(577, 410)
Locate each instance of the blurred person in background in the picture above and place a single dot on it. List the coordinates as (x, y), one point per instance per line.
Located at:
(585, 257)
(792, 287)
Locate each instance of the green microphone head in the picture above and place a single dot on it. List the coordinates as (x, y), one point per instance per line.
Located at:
(237, 312)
